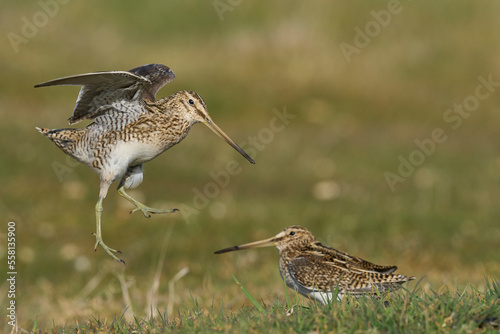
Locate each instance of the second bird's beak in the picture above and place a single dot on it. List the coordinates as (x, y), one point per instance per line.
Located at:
(218, 131)
(255, 244)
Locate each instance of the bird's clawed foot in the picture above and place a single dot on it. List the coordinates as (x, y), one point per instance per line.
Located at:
(146, 210)
(107, 249)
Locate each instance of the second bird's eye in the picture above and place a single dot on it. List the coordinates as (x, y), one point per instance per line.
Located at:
(191, 101)
(292, 233)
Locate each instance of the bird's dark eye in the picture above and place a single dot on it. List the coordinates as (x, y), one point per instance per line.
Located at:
(191, 102)
(292, 233)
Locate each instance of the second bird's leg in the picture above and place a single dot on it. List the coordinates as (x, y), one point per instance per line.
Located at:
(98, 234)
(146, 210)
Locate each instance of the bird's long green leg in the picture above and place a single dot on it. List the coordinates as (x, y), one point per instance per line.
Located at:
(146, 210)
(98, 234)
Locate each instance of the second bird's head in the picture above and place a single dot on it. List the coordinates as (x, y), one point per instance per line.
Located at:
(289, 238)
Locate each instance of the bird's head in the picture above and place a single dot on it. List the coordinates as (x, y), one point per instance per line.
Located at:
(194, 110)
(290, 236)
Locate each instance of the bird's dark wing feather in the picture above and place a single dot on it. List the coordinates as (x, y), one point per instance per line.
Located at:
(349, 261)
(159, 75)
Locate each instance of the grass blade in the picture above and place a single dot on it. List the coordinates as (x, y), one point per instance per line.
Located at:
(245, 291)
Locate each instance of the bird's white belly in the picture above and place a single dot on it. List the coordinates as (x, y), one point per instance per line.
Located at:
(324, 297)
(132, 153)
(125, 154)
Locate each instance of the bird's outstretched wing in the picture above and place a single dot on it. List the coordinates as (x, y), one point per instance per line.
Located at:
(120, 91)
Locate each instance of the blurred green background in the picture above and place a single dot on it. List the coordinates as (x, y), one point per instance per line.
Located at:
(325, 169)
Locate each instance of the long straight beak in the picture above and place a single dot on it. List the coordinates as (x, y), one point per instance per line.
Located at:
(255, 244)
(218, 131)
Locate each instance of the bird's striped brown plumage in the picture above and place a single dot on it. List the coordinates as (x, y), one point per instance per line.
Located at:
(129, 127)
(317, 271)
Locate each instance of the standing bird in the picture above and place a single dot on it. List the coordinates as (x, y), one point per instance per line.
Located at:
(130, 127)
(317, 271)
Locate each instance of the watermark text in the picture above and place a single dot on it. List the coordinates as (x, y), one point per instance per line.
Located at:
(11, 273)
(221, 179)
(30, 26)
(453, 119)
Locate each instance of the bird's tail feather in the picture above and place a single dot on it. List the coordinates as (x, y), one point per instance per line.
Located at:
(63, 138)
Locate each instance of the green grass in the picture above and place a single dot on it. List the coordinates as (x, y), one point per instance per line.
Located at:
(250, 297)
(352, 122)
(404, 311)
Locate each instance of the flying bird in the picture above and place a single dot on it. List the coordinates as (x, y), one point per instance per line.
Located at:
(129, 127)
